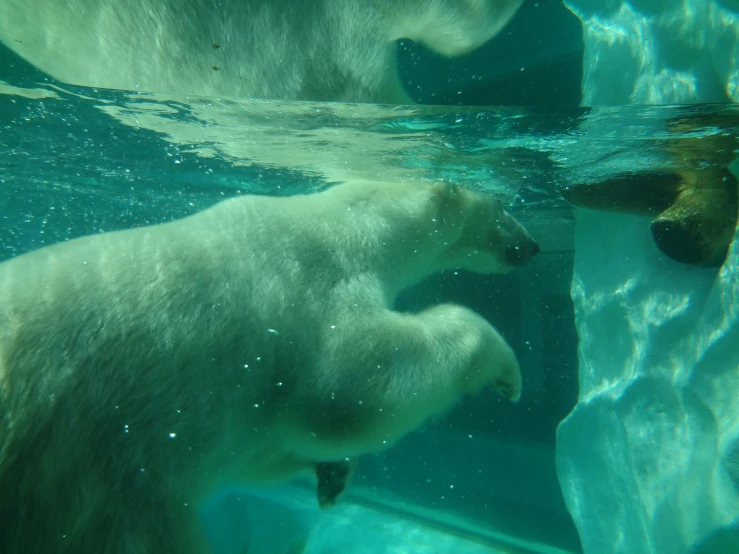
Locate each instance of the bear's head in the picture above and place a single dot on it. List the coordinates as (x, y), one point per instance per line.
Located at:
(455, 27)
(488, 239)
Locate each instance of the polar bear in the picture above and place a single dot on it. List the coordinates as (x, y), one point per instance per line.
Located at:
(333, 50)
(143, 370)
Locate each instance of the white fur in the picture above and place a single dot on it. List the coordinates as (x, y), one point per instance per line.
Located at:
(141, 370)
(340, 50)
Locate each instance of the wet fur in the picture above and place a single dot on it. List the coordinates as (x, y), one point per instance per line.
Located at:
(142, 370)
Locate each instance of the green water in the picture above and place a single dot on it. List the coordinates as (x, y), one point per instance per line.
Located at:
(76, 161)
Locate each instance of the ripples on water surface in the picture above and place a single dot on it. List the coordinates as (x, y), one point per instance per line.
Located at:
(75, 161)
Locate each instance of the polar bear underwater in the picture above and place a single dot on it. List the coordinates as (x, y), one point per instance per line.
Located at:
(143, 370)
(332, 50)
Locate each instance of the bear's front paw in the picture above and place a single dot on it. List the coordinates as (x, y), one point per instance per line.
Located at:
(494, 364)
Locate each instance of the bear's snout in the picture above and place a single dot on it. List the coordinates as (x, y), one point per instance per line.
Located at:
(520, 253)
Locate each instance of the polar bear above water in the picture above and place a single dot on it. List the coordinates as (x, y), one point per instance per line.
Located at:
(142, 370)
(341, 50)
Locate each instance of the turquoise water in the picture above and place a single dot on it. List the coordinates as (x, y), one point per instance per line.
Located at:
(76, 161)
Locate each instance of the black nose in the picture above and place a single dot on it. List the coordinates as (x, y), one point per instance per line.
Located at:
(522, 252)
